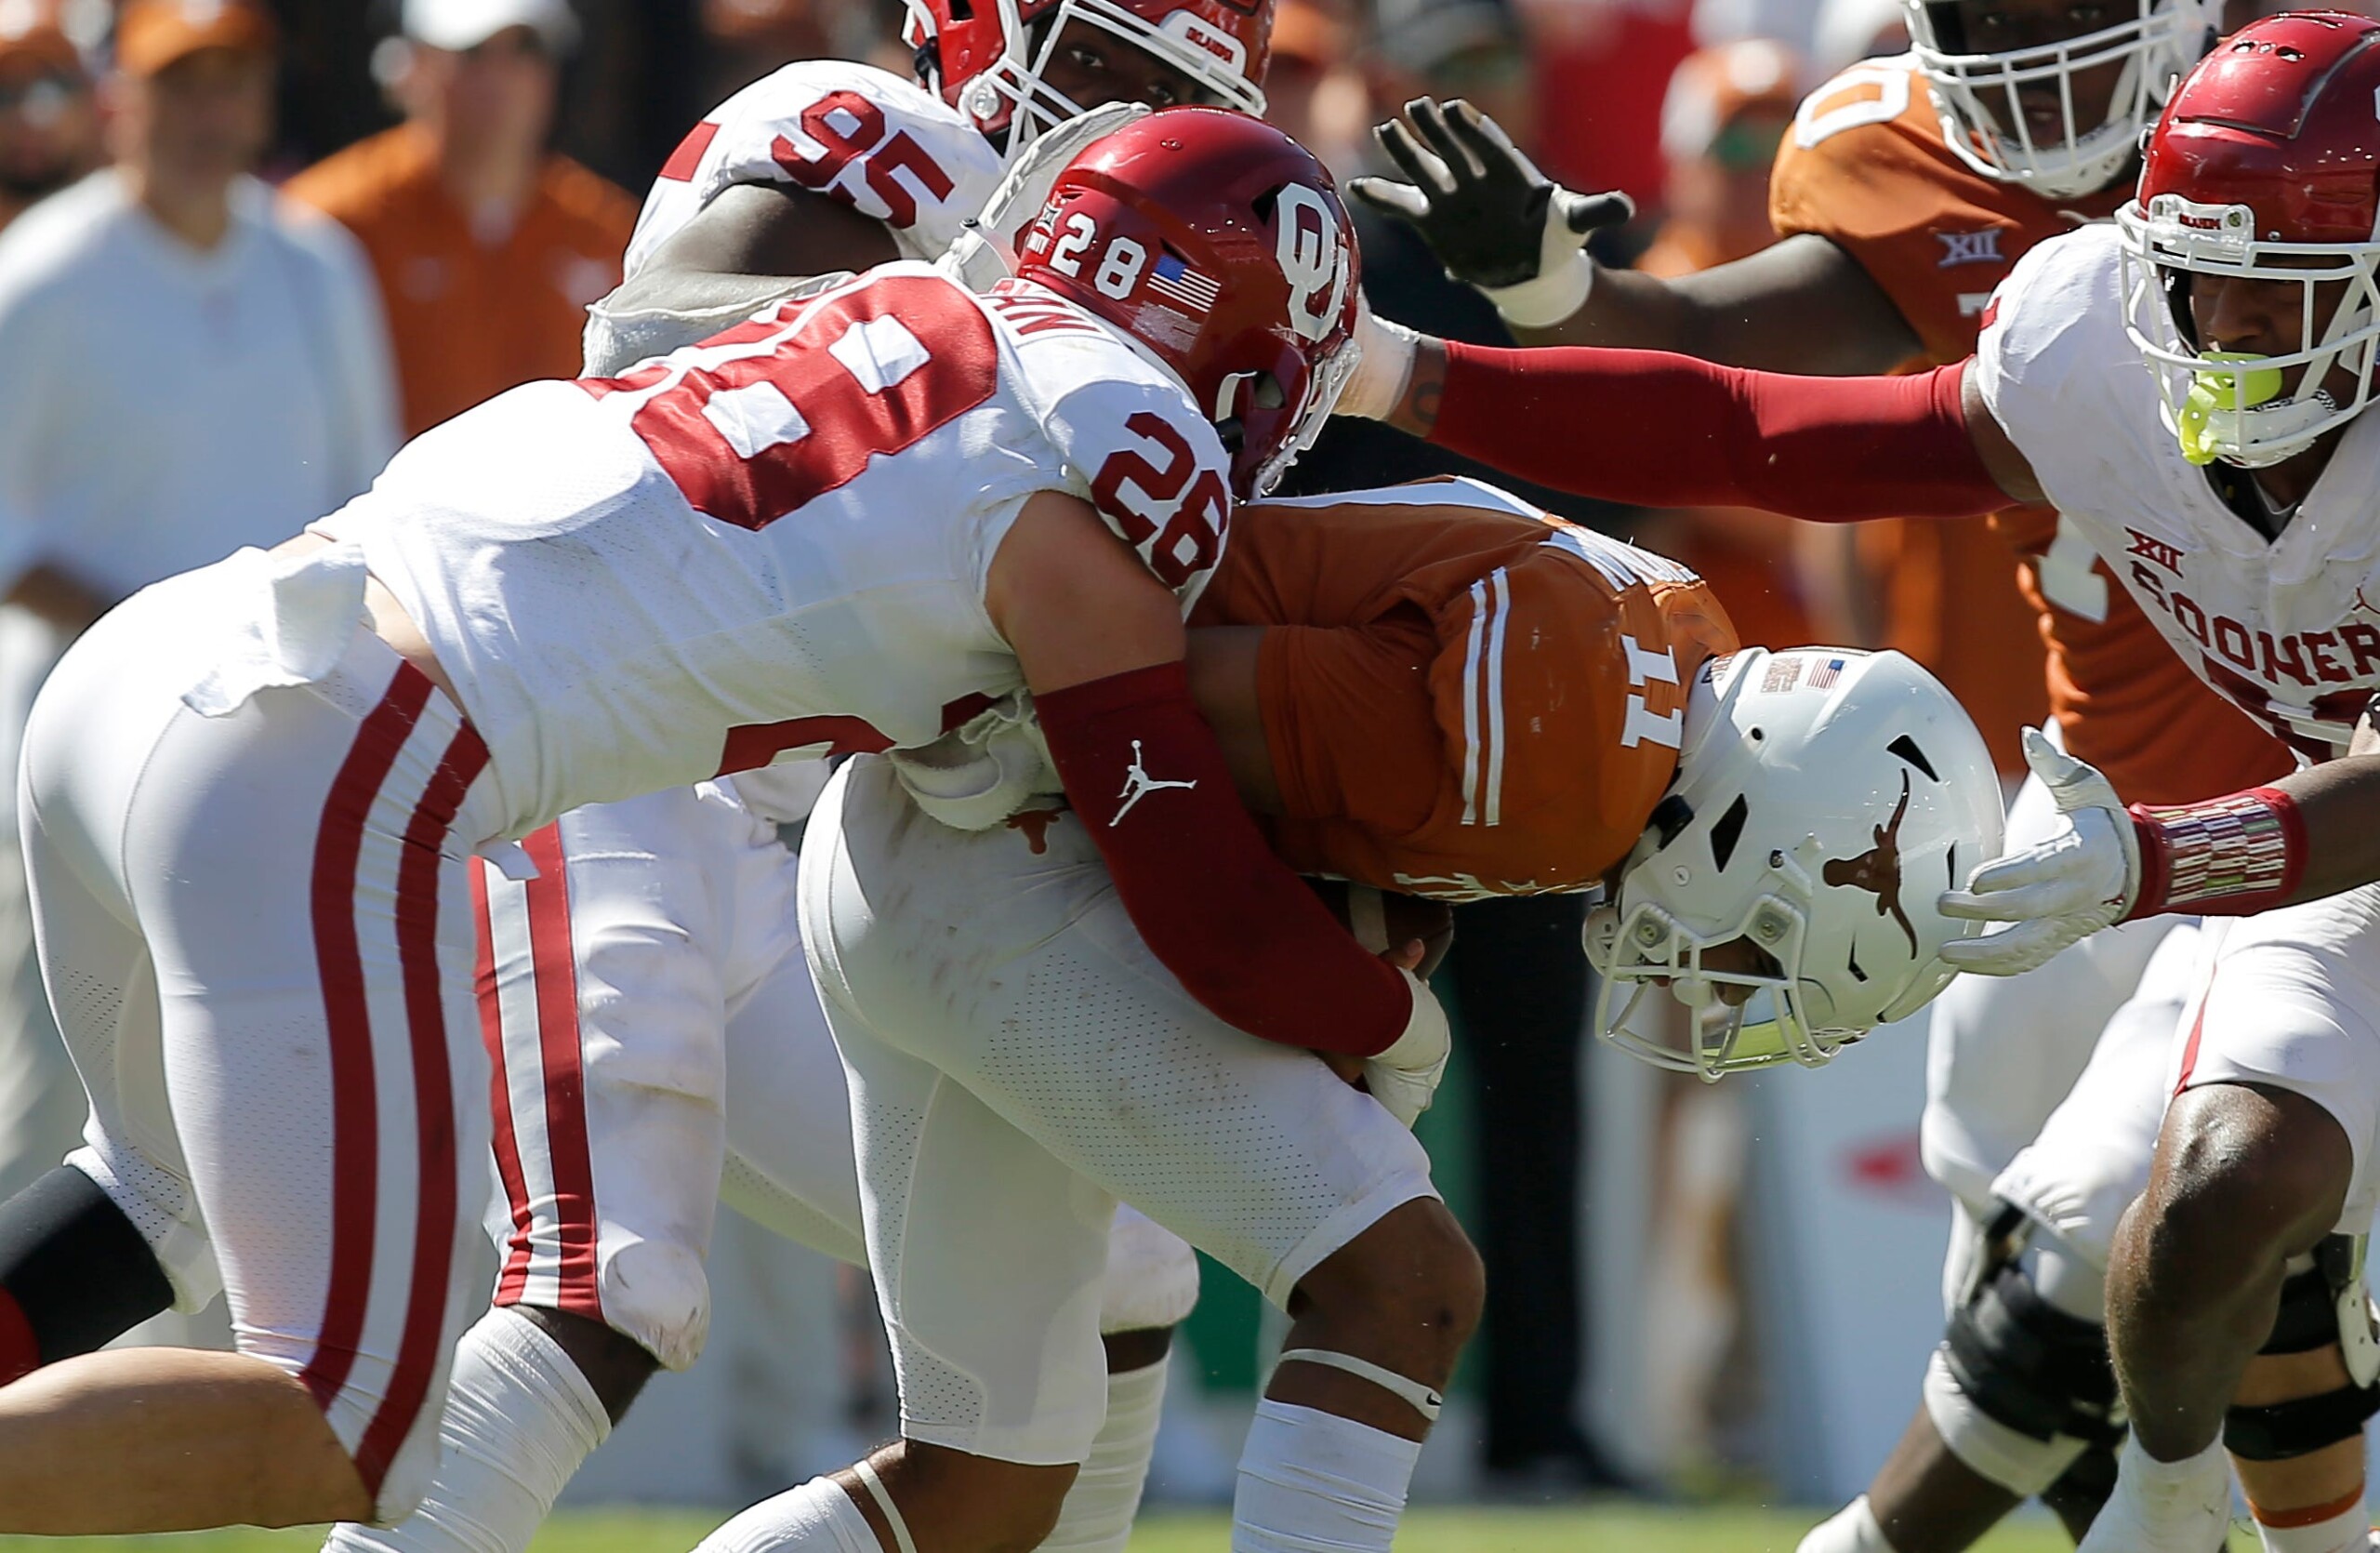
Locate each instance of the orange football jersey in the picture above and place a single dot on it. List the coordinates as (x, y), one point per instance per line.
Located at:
(1866, 167)
(1461, 696)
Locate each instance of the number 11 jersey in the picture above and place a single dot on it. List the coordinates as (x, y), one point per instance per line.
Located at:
(775, 543)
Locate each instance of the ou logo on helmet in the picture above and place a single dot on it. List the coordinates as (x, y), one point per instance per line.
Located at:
(1312, 247)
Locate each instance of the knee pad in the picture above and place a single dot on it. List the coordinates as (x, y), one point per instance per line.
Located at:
(2028, 1364)
(75, 1269)
(2016, 1462)
(2325, 1303)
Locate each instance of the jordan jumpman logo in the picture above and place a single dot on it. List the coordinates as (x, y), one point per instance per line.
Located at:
(1138, 784)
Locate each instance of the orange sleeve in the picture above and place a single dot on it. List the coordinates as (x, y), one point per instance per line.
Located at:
(1865, 167)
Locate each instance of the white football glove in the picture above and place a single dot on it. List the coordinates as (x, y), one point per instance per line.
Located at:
(2056, 892)
(1383, 366)
(1404, 1078)
(976, 775)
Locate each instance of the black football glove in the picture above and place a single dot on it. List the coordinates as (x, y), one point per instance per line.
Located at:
(1489, 216)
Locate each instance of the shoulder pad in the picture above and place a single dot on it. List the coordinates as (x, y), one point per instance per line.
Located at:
(886, 147)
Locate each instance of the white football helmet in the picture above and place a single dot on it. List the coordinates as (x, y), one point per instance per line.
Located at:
(2159, 41)
(1824, 797)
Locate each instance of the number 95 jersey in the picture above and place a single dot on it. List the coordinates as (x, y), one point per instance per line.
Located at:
(776, 542)
(886, 147)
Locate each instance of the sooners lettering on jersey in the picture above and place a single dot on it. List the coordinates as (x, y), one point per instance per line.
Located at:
(1462, 696)
(886, 147)
(775, 543)
(2285, 629)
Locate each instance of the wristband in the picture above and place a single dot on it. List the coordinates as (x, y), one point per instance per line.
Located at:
(2228, 857)
(1547, 297)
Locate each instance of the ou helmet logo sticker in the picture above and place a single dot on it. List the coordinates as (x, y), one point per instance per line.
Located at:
(1313, 252)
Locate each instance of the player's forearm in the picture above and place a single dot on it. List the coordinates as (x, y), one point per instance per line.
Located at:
(1654, 430)
(2304, 837)
(1802, 305)
(1240, 932)
(1624, 309)
(2336, 801)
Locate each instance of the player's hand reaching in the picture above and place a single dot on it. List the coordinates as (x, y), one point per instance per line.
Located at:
(2056, 892)
(1492, 219)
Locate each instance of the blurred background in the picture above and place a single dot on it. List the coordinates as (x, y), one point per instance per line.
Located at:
(244, 252)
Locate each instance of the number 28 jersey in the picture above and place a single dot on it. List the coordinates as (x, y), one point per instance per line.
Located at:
(775, 543)
(886, 147)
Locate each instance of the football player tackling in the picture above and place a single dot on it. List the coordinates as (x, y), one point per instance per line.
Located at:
(792, 540)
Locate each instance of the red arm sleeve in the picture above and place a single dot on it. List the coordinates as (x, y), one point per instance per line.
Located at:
(1655, 429)
(1244, 934)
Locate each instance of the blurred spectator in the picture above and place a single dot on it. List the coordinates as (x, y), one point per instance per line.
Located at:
(1726, 112)
(1312, 89)
(486, 244)
(186, 367)
(49, 118)
(1601, 67)
(1849, 31)
(1519, 980)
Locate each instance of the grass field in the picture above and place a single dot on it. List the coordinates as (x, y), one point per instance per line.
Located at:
(1616, 1530)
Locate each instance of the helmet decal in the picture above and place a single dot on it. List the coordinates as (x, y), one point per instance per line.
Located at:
(1312, 249)
(1877, 870)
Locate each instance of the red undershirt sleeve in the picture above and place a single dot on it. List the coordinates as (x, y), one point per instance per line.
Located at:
(1651, 428)
(1244, 936)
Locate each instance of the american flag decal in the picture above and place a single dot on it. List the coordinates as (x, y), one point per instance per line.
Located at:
(1822, 677)
(1181, 285)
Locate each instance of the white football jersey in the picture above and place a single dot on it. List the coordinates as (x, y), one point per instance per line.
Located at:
(886, 147)
(2288, 628)
(775, 543)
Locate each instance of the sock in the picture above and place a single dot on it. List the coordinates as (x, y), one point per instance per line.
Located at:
(816, 1517)
(1315, 1483)
(2178, 1505)
(520, 1419)
(2345, 1527)
(1097, 1515)
(1852, 1530)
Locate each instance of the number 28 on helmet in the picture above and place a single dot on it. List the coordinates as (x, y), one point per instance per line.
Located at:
(1219, 245)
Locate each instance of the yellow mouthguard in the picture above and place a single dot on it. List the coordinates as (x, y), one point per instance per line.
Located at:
(2227, 391)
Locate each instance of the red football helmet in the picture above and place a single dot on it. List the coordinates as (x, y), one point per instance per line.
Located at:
(988, 57)
(2265, 165)
(1220, 244)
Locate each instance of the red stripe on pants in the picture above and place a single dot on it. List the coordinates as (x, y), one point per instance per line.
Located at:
(423, 1342)
(515, 1276)
(355, 1110)
(567, 1157)
(2198, 1029)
